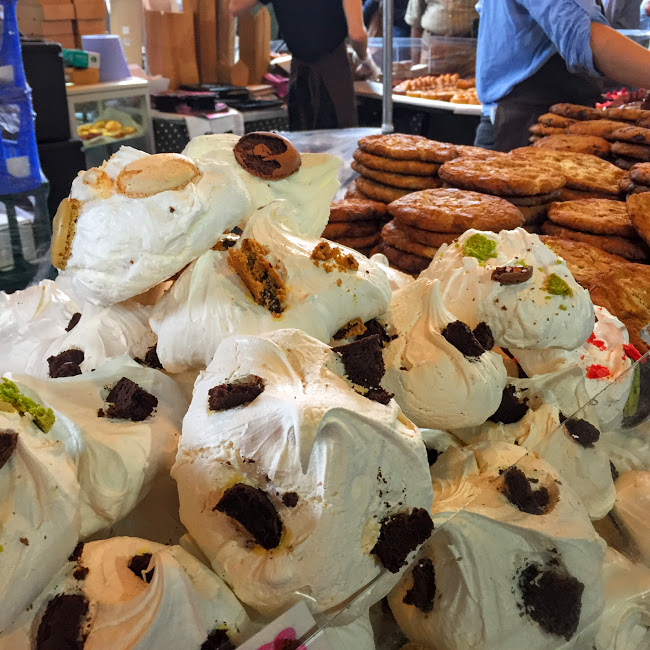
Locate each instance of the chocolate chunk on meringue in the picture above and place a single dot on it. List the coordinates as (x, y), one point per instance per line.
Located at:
(583, 432)
(237, 393)
(8, 442)
(505, 275)
(129, 402)
(423, 591)
(66, 363)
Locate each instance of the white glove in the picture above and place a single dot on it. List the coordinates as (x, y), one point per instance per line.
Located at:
(368, 69)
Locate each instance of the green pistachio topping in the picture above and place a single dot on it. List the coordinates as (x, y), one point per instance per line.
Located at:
(43, 418)
(563, 307)
(556, 286)
(480, 247)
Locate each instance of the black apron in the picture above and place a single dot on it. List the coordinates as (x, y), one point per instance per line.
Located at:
(321, 93)
(523, 105)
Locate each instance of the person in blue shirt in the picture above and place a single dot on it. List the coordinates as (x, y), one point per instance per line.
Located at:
(534, 53)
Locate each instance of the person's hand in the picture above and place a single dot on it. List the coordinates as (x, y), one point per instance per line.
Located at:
(367, 69)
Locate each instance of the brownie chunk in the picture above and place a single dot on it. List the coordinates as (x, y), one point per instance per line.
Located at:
(363, 361)
(483, 334)
(238, 393)
(583, 432)
(462, 338)
(267, 155)
(130, 402)
(423, 591)
(72, 323)
(66, 363)
(138, 565)
(218, 640)
(151, 359)
(511, 409)
(8, 443)
(81, 573)
(253, 509)
(290, 499)
(432, 455)
(401, 534)
(552, 599)
(373, 326)
(505, 275)
(62, 624)
(518, 491)
(75, 556)
(379, 395)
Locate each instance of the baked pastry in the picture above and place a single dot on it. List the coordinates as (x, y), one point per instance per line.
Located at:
(399, 239)
(634, 134)
(379, 191)
(601, 128)
(579, 112)
(638, 210)
(431, 350)
(516, 285)
(543, 130)
(262, 487)
(631, 150)
(404, 261)
(384, 164)
(400, 146)
(404, 181)
(351, 210)
(598, 216)
(589, 144)
(426, 237)
(552, 119)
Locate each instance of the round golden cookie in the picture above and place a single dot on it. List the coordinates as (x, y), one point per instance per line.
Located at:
(360, 242)
(350, 229)
(638, 208)
(590, 144)
(476, 152)
(601, 128)
(581, 171)
(551, 119)
(426, 237)
(597, 216)
(454, 211)
(407, 147)
(630, 150)
(502, 175)
(413, 167)
(399, 239)
(379, 191)
(634, 134)
(542, 130)
(567, 194)
(64, 227)
(644, 121)
(627, 248)
(536, 199)
(397, 180)
(356, 210)
(626, 113)
(403, 261)
(640, 173)
(578, 112)
(155, 174)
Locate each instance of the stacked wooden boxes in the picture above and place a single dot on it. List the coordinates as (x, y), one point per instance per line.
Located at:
(90, 18)
(50, 20)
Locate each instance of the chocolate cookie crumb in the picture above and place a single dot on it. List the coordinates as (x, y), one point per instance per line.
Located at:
(138, 566)
(24, 541)
(505, 275)
(290, 499)
(66, 363)
(379, 395)
(8, 443)
(423, 591)
(267, 155)
(80, 573)
(62, 624)
(218, 640)
(253, 509)
(400, 534)
(583, 432)
(237, 393)
(462, 338)
(484, 336)
(75, 556)
(363, 361)
(432, 455)
(552, 600)
(72, 323)
(355, 327)
(511, 409)
(151, 359)
(519, 492)
(373, 326)
(332, 257)
(129, 402)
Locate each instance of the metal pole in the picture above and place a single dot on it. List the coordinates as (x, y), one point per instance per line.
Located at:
(387, 103)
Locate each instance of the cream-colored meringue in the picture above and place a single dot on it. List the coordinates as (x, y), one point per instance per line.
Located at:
(397, 279)
(39, 515)
(480, 545)
(433, 382)
(602, 359)
(519, 315)
(290, 439)
(308, 192)
(116, 459)
(181, 605)
(124, 246)
(210, 302)
(633, 507)
(33, 326)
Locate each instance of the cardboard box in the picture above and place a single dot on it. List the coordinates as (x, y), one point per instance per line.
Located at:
(127, 22)
(83, 27)
(38, 11)
(89, 9)
(46, 28)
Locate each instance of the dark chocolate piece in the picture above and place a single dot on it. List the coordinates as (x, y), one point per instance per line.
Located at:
(80, 573)
(512, 274)
(237, 393)
(583, 432)
(75, 556)
(511, 409)
(66, 363)
(373, 326)
(290, 499)
(138, 565)
(613, 471)
(151, 359)
(553, 600)
(8, 443)
(432, 455)
(462, 338)
(253, 509)
(73, 321)
(401, 534)
(267, 155)
(423, 591)
(218, 640)
(62, 624)
(379, 395)
(363, 361)
(484, 336)
(519, 492)
(130, 402)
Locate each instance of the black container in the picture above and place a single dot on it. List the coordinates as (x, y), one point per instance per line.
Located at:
(44, 71)
(60, 162)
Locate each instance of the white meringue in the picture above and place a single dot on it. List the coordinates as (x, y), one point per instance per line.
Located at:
(308, 192)
(481, 544)
(397, 279)
(181, 605)
(39, 514)
(116, 459)
(124, 246)
(520, 315)
(632, 508)
(290, 439)
(33, 326)
(210, 302)
(433, 382)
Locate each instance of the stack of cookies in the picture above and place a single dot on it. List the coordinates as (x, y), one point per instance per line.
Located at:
(424, 221)
(637, 180)
(632, 142)
(391, 166)
(356, 223)
(524, 182)
(600, 222)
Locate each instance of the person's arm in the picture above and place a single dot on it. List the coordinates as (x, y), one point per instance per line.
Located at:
(416, 50)
(240, 7)
(356, 29)
(618, 57)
